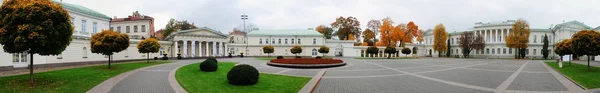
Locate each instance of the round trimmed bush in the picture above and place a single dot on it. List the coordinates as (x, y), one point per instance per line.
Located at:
(318, 57)
(298, 57)
(279, 57)
(209, 66)
(242, 75)
(213, 59)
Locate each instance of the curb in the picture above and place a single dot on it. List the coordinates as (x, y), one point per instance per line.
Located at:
(108, 84)
(173, 82)
(312, 84)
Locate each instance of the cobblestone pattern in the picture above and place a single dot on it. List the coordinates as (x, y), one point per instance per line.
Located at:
(536, 82)
(488, 79)
(393, 84)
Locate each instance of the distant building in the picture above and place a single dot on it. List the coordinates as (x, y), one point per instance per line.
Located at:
(137, 26)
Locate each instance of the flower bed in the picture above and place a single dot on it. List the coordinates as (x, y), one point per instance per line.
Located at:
(307, 61)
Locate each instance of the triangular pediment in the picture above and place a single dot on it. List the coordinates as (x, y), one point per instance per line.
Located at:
(203, 31)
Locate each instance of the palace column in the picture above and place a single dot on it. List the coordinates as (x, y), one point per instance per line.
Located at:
(176, 48)
(484, 36)
(225, 49)
(206, 49)
(214, 48)
(497, 35)
(184, 49)
(218, 53)
(193, 48)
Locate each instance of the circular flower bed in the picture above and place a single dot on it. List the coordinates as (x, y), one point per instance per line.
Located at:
(307, 62)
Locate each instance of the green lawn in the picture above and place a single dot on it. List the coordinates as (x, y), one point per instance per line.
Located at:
(195, 81)
(579, 73)
(74, 80)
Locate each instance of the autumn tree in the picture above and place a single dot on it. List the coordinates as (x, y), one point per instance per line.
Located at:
(479, 43)
(34, 27)
(346, 26)
(109, 42)
(545, 50)
(174, 25)
(439, 39)
(148, 45)
(296, 50)
(420, 36)
(323, 50)
(368, 36)
(268, 49)
(326, 31)
(374, 26)
(409, 33)
(586, 42)
(372, 50)
(398, 34)
(385, 32)
(390, 50)
(519, 37)
(564, 48)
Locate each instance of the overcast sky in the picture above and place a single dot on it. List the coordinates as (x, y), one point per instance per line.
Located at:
(224, 15)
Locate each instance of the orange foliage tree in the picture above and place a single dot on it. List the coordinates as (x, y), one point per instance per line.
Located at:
(409, 33)
(439, 39)
(519, 37)
(368, 36)
(385, 32)
(420, 35)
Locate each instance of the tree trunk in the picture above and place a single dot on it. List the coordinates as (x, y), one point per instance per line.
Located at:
(31, 70)
(109, 56)
(389, 55)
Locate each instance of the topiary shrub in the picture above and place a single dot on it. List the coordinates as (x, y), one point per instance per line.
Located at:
(318, 57)
(298, 57)
(208, 66)
(242, 75)
(279, 57)
(212, 59)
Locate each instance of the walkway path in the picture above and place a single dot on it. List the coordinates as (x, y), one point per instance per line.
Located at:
(425, 75)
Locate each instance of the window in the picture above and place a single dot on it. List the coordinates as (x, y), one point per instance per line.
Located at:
(314, 41)
(504, 51)
(509, 50)
(143, 28)
(534, 52)
(279, 41)
(314, 52)
(266, 41)
(72, 19)
(273, 40)
(260, 41)
(95, 27)
(83, 23)
(498, 50)
(527, 51)
(299, 41)
(135, 29)
(20, 57)
(292, 41)
(487, 51)
(493, 51)
(127, 29)
(534, 39)
(119, 29)
(286, 41)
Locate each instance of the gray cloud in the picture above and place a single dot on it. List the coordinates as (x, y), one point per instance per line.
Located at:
(224, 15)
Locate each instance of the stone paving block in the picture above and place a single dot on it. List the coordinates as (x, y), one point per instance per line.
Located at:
(536, 82)
(489, 79)
(391, 84)
(144, 82)
(423, 69)
(497, 67)
(403, 65)
(308, 73)
(535, 67)
(361, 73)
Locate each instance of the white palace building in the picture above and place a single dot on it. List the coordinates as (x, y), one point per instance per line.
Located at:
(207, 42)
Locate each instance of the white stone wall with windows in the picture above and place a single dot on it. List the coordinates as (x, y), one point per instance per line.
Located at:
(283, 44)
(85, 25)
(135, 29)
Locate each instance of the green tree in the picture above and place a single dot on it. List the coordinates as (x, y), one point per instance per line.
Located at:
(268, 49)
(324, 50)
(326, 31)
(35, 27)
(372, 50)
(545, 50)
(414, 50)
(296, 50)
(174, 25)
(405, 51)
(148, 45)
(449, 51)
(586, 42)
(390, 50)
(109, 42)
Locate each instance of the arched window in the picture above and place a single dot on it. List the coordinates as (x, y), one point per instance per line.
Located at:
(314, 52)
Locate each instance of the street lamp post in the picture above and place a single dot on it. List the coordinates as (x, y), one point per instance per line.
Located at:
(244, 18)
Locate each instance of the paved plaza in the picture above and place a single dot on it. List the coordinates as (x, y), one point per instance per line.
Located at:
(424, 75)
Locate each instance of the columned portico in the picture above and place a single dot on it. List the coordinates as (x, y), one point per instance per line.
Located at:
(210, 42)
